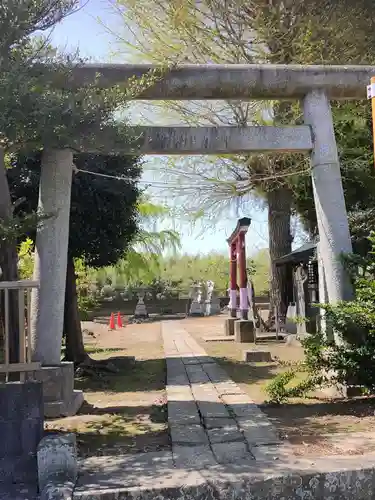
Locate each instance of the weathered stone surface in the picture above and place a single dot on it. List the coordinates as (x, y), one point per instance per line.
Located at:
(190, 360)
(51, 253)
(174, 379)
(226, 453)
(60, 398)
(233, 82)
(57, 465)
(244, 331)
(197, 375)
(175, 364)
(226, 434)
(183, 412)
(107, 474)
(240, 405)
(219, 338)
(192, 456)
(204, 359)
(21, 399)
(205, 392)
(179, 393)
(269, 452)
(218, 423)
(21, 428)
(188, 435)
(229, 327)
(257, 356)
(18, 469)
(215, 373)
(259, 435)
(18, 492)
(212, 410)
(228, 388)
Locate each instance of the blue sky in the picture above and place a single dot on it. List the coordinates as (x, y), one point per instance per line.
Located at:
(86, 30)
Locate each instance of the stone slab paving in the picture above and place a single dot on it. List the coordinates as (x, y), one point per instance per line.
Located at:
(211, 420)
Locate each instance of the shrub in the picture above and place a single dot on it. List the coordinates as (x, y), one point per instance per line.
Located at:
(280, 391)
(351, 361)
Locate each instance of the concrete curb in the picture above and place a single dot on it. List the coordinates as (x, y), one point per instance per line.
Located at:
(57, 466)
(150, 476)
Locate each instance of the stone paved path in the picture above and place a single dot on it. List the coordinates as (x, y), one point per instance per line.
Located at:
(211, 420)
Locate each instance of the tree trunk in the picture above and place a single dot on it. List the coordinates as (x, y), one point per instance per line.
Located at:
(8, 261)
(280, 243)
(75, 349)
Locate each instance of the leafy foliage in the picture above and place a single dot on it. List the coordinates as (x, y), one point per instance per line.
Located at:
(280, 388)
(350, 359)
(353, 130)
(103, 217)
(26, 259)
(180, 271)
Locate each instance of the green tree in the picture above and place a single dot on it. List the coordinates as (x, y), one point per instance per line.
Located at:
(103, 220)
(142, 260)
(18, 20)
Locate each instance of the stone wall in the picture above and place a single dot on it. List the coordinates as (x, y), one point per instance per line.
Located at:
(21, 429)
(163, 306)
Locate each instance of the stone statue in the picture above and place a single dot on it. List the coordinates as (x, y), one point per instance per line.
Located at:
(140, 309)
(301, 277)
(210, 289)
(196, 302)
(212, 304)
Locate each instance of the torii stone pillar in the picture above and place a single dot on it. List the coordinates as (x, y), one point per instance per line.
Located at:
(334, 236)
(47, 303)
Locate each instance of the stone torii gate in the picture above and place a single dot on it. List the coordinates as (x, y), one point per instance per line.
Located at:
(313, 85)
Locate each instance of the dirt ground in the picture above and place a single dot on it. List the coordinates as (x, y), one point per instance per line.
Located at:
(125, 411)
(315, 425)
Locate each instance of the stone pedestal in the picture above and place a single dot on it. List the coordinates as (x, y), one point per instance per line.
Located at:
(21, 429)
(59, 397)
(212, 307)
(140, 309)
(229, 326)
(196, 309)
(244, 331)
(255, 356)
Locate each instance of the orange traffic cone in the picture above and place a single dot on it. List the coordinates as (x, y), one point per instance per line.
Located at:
(112, 325)
(119, 320)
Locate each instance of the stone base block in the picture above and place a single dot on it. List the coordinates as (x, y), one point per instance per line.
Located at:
(254, 356)
(229, 326)
(244, 331)
(212, 308)
(56, 409)
(196, 309)
(140, 311)
(60, 398)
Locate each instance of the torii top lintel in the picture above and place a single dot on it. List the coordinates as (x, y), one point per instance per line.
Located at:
(242, 227)
(225, 81)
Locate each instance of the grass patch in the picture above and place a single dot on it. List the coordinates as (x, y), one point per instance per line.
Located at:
(125, 410)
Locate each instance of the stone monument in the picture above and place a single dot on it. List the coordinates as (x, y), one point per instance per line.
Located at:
(140, 308)
(212, 303)
(196, 303)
